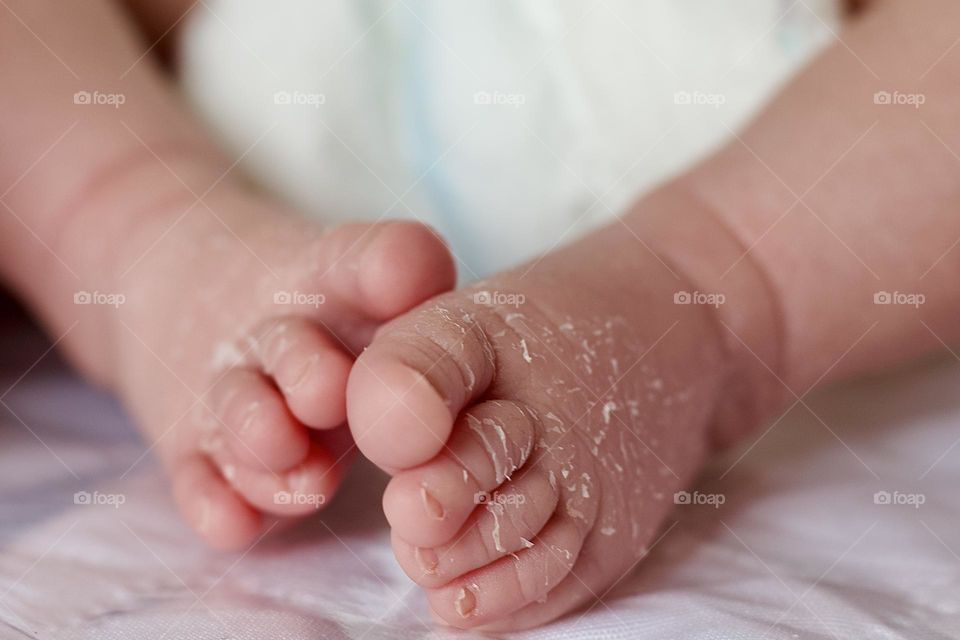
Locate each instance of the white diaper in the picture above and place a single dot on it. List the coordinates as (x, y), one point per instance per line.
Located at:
(510, 125)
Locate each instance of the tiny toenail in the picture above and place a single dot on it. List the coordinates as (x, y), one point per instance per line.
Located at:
(431, 505)
(251, 412)
(465, 603)
(299, 479)
(211, 443)
(300, 374)
(427, 559)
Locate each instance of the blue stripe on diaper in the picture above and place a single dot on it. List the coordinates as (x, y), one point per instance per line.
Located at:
(425, 150)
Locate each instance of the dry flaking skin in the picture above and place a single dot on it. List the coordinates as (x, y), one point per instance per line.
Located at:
(554, 434)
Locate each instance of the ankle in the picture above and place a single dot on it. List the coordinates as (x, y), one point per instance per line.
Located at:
(103, 230)
(688, 233)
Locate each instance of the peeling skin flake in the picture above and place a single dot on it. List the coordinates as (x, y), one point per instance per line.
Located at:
(226, 355)
(496, 509)
(573, 512)
(561, 551)
(608, 408)
(510, 465)
(498, 468)
(525, 452)
(585, 485)
(526, 352)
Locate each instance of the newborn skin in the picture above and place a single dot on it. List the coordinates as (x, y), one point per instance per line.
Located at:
(235, 345)
(235, 321)
(537, 426)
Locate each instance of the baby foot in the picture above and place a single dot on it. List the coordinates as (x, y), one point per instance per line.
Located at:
(537, 426)
(235, 343)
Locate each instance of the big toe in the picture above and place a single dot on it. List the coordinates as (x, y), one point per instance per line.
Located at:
(215, 511)
(490, 441)
(387, 268)
(406, 389)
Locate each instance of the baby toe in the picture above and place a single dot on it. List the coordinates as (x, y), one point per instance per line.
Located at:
(428, 268)
(256, 423)
(212, 508)
(298, 491)
(505, 523)
(407, 388)
(309, 368)
(582, 585)
(498, 589)
(358, 265)
(489, 443)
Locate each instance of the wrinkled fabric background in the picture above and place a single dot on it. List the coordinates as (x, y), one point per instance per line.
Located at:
(381, 116)
(799, 549)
